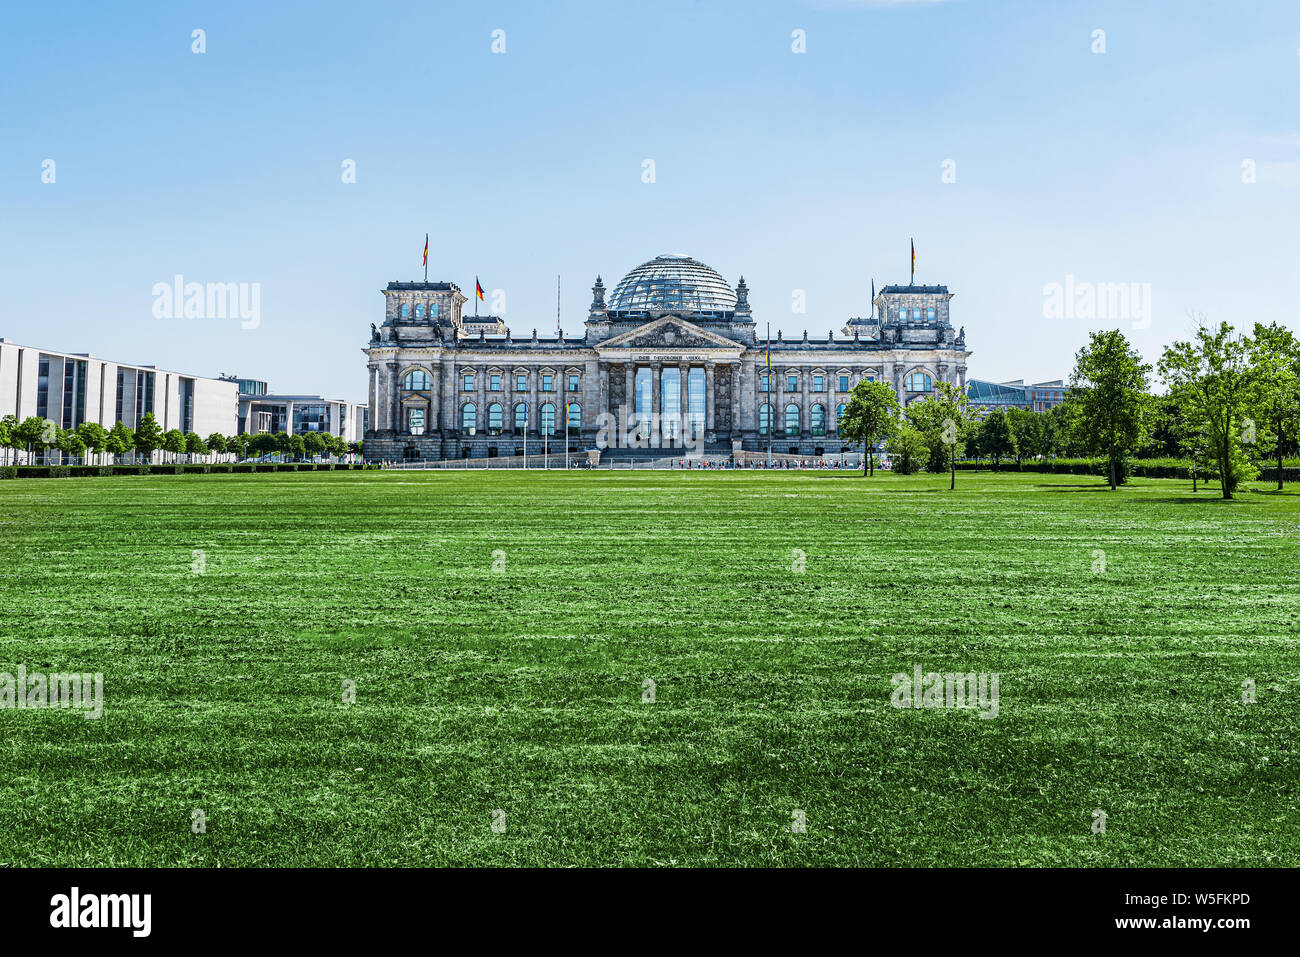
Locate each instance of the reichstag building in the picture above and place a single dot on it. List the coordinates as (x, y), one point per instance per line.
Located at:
(673, 357)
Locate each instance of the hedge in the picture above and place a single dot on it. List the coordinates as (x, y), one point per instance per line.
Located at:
(224, 468)
(1139, 468)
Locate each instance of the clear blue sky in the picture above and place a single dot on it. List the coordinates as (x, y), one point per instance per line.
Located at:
(801, 171)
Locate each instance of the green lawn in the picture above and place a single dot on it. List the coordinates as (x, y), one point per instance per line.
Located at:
(520, 688)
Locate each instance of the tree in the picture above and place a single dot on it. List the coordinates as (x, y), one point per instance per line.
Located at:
(313, 443)
(282, 443)
(120, 440)
(7, 425)
(237, 444)
(297, 446)
(216, 442)
(944, 421)
(1212, 377)
(93, 436)
(174, 442)
(1108, 397)
(195, 445)
(148, 436)
(907, 448)
(871, 412)
(996, 438)
(34, 434)
(71, 444)
(1275, 371)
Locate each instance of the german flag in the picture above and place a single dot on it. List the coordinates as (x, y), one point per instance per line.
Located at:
(426, 249)
(478, 290)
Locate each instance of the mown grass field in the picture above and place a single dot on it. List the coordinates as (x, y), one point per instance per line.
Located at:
(514, 681)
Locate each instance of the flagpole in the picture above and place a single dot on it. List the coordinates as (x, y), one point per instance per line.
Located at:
(426, 257)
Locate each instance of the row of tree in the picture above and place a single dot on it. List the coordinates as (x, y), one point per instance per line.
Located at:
(1231, 401)
(36, 436)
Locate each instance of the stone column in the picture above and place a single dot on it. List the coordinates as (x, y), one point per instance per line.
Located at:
(656, 402)
(602, 400)
(710, 398)
(435, 404)
(394, 398)
(449, 422)
(733, 370)
(288, 418)
(374, 388)
(629, 393)
(480, 399)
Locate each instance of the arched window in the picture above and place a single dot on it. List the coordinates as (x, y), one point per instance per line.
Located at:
(548, 419)
(818, 419)
(918, 382)
(419, 312)
(792, 419)
(415, 421)
(764, 419)
(575, 417)
(468, 418)
(839, 416)
(406, 309)
(521, 417)
(929, 313)
(417, 380)
(494, 418)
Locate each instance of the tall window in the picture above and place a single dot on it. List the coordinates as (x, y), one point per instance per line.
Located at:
(494, 382)
(406, 309)
(792, 419)
(764, 419)
(573, 382)
(695, 400)
(417, 380)
(468, 418)
(575, 417)
(419, 312)
(792, 383)
(670, 402)
(918, 382)
(818, 419)
(521, 417)
(929, 312)
(839, 416)
(844, 383)
(494, 418)
(548, 419)
(819, 383)
(521, 382)
(765, 383)
(468, 382)
(415, 421)
(548, 383)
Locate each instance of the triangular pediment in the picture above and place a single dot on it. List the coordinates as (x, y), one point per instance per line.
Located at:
(669, 332)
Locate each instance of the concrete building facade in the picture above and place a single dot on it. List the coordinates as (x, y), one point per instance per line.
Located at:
(72, 388)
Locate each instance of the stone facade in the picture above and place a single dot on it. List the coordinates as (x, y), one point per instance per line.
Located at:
(675, 349)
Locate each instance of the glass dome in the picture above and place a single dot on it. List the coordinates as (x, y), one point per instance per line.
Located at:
(673, 284)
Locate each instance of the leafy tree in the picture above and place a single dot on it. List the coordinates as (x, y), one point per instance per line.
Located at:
(1275, 371)
(237, 444)
(907, 448)
(194, 445)
(148, 436)
(1212, 375)
(7, 425)
(174, 442)
(34, 434)
(120, 439)
(944, 421)
(1108, 398)
(313, 443)
(282, 443)
(871, 412)
(297, 445)
(996, 439)
(216, 442)
(71, 444)
(93, 436)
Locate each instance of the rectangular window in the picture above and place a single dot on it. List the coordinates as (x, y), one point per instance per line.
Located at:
(494, 383)
(573, 382)
(792, 383)
(844, 383)
(548, 383)
(521, 383)
(469, 382)
(765, 383)
(819, 383)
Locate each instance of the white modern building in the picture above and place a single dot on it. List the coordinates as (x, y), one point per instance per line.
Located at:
(263, 411)
(70, 388)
